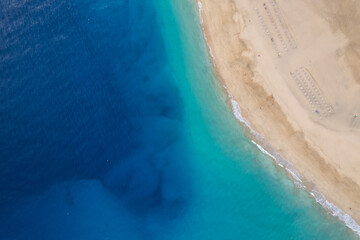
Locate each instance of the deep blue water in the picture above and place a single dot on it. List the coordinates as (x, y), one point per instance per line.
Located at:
(87, 105)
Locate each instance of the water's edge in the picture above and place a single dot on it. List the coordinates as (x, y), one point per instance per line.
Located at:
(266, 148)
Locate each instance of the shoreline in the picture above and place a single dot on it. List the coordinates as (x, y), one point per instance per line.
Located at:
(297, 178)
(262, 143)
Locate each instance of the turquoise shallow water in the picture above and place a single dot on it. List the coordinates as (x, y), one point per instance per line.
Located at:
(238, 191)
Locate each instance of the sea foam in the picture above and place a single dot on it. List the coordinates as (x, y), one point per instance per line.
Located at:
(200, 11)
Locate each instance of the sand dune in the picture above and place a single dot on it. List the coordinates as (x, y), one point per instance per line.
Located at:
(293, 67)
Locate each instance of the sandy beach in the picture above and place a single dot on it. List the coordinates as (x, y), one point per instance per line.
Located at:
(293, 68)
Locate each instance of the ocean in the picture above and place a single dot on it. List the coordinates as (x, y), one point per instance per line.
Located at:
(114, 126)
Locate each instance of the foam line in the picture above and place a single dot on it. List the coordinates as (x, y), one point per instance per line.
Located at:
(200, 12)
(262, 149)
